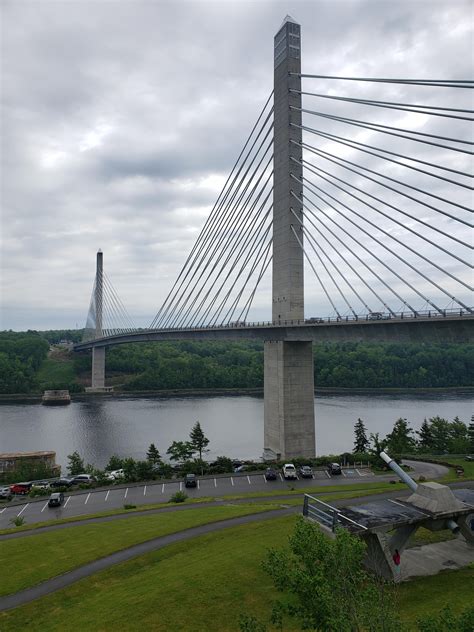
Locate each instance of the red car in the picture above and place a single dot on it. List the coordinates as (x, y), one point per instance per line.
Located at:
(20, 488)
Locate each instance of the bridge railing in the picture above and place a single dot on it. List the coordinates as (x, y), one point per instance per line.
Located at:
(328, 516)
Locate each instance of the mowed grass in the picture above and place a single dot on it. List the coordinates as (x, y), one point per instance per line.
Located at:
(31, 559)
(204, 585)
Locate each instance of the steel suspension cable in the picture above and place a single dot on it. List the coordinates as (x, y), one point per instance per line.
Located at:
(394, 292)
(223, 224)
(314, 270)
(216, 212)
(248, 304)
(332, 158)
(213, 210)
(341, 140)
(402, 107)
(407, 263)
(440, 83)
(331, 245)
(127, 319)
(215, 254)
(384, 130)
(316, 170)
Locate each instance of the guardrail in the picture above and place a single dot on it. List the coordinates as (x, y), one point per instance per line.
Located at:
(328, 516)
(313, 321)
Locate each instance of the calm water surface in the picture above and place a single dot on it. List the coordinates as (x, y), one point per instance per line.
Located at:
(99, 427)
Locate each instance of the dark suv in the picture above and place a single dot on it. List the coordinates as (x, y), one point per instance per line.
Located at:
(334, 468)
(270, 474)
(306, 471)
(56, 499)
(190, 480)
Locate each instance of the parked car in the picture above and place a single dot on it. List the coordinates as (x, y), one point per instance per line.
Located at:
(240, 468)
(20, 488)
(40, 485)
(334, 468)
(56, 499)
(5, 493)
(190, 480)
(306, 471)
(270, 474)
(115, 475)
(61, 482)
(83, 479)
(469, 458)
(289, 471)
(313, 319)
(375, 316)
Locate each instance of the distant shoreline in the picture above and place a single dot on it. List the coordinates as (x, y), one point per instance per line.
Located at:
(229, 392)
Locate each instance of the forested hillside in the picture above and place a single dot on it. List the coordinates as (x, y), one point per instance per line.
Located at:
(25, 367)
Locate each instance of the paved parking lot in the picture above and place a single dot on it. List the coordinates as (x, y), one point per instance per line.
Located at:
(82, 503)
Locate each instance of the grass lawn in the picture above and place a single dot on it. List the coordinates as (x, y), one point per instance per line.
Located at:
(56, 369)
(37, 557)
(202, 586)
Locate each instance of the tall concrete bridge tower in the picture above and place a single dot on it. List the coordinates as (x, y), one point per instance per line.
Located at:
(98, 353)
(289, 379)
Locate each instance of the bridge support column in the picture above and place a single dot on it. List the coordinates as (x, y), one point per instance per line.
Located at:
(98, 353)
(98, 368)
(289, 400)
(289, 386)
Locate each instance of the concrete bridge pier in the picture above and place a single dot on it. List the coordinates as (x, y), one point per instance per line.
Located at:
(288, 371)
(98, 353)
(98, 369)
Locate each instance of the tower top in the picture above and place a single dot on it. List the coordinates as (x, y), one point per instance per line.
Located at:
(288, 18)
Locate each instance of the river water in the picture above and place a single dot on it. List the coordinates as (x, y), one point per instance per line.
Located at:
(98, 427)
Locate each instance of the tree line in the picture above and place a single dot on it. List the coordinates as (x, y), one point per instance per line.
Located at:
(236, 365)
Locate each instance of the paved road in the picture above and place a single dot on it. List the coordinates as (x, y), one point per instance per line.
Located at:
(61, 581)
(83, 503)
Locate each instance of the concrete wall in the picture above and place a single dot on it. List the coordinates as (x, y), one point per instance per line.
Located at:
(98, 367)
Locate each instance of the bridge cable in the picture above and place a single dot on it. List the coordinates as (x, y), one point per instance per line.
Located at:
(402, 107)
(208, 221)
(315, 170)
(440, 83)
(248, 304)
(373, 127)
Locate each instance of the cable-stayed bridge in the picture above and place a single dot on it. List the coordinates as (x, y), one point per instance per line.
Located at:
(376, 213)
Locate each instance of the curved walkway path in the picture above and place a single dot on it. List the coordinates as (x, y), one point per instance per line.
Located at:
(62, 581)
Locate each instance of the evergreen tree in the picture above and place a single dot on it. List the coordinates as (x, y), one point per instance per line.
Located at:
(400, 440)
(458, 437)
(361, 442)
(153, 456)
(425, 441)
(199, 441)
(75, 464)
(471, 435)
(440, 434)
(378, 445)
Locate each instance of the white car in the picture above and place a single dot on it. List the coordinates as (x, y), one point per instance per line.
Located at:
(289, 471)
(115, 475)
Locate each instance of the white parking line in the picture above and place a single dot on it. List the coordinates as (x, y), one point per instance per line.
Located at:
(107, 494)
(342, 472)
(215, 483)
(144, 491)
(232, 481)
(327, 474)
(181, 486)
(281, 477)
(67, 500)
(45, 505)
(198, 483)
(88, 496)
(297, 478)
(248, 478)
(2, 510)
(22, 510)
(163, 488)
(360, 473)
(126, 492)
(265, 478)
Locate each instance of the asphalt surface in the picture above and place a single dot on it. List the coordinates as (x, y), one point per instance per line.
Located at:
(82, 503)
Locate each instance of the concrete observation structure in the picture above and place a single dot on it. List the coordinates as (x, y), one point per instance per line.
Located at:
(288, 365)
(386, 526)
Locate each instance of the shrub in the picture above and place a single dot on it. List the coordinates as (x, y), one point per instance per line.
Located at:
(18, 521)
(421, 478)
(37, 491)
(178, 497)
(127, 506)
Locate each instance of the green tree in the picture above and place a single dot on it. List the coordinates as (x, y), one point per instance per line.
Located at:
(75, 463)
(349, 600)
(470, 432)
(361, 442)
(401, 440)
(153, 456)
(425, 441)
(378, 445)
(447, 621)
(115, 463)
(130, 469)
(180, 451)
(440, 434)
(458, 437)
(199, 441)
(144, 470)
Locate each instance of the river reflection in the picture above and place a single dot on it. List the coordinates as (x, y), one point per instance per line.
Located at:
(100, 426)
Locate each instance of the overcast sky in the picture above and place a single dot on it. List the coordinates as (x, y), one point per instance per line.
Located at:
(121, 121)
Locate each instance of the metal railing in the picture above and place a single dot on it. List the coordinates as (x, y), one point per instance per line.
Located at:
(327, 515)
